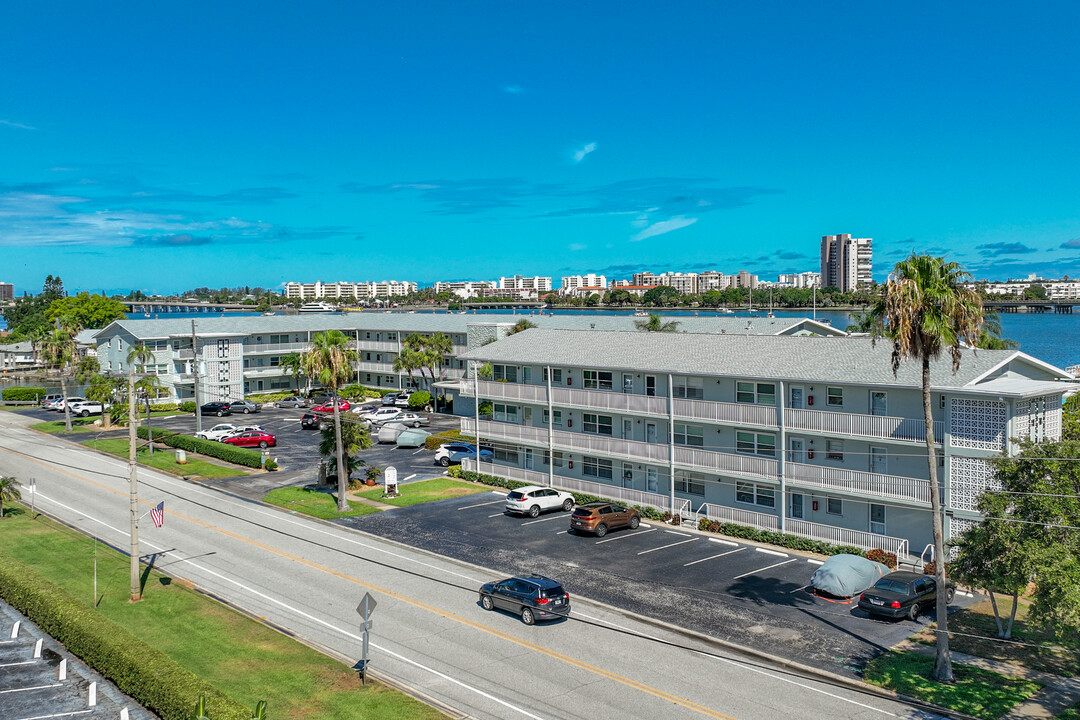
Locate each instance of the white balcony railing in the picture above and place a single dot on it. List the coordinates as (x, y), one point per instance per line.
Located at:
(379, 367)
(381, 345)
(749, 465)
(723, 513)
(565, 440)
(844, 536)
(856, 481)
(871, 426)
(726, 412)
(628, 496)
(258, 348)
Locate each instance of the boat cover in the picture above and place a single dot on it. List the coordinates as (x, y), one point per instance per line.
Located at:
(412, 438)
(847, 575)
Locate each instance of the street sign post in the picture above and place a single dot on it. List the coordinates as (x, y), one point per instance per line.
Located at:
(364, 609)
(33, 491)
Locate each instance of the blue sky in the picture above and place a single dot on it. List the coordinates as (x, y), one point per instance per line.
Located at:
(168, 146)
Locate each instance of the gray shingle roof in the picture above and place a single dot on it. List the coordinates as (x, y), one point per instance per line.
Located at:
(153, 328)
(848, 360)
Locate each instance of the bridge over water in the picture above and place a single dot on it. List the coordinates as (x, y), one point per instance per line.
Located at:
(1032, 306)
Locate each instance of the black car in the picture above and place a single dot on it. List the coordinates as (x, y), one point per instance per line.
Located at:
(902, 594)
(310, 421)
(215, 408)
(533, 598)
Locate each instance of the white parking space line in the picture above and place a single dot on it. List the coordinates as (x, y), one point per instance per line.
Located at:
(645, 526)
(547, 519)
(419, 451)
(713, 557)
(499, 493)
(763, 569)
(679, 534)
(664, 547)
(620, 537)
(496, 515)
(724, 542)
(771, 552)
(562, 532)
(409, 478)
(493, 502)
(798, 589)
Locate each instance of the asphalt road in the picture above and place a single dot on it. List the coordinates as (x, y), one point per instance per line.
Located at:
(742, 593)
(429, 631)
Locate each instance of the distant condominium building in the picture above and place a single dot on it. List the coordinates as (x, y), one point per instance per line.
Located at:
(573, 282)
(7, 292)
(536, 283)
(1055, 289)
(355, 291)
(697, 283)
(846, 262)
(466, 288)
(803, 280)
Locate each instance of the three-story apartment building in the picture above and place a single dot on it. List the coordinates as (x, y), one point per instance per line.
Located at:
(812, 436)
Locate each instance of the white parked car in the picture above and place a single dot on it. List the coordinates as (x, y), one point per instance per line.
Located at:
(382, 415)
(244, 429)
(218, 432)
(452, 453)
(531, 500)
(86, 408)
(59, 404)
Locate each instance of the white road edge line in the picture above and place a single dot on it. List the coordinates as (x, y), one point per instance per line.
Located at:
(763, 569)
(312, 618)
(713, 557)
(664, 547)
(771, 552)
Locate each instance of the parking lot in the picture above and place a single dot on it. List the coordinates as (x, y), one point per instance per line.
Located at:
(754, 596)
(297, 449)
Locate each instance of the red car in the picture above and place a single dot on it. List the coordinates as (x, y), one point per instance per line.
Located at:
(343, 406)
(252, 439)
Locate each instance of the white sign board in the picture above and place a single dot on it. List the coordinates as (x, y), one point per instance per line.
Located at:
(390, 478)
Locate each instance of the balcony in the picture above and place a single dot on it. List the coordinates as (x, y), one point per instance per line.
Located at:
(893, 487)
(259, 348)
(379, 367)
(262, 371)
(748, 465)
(380, 345)
(187, 354)
(862, 426)
(590, 399)
(726, 412)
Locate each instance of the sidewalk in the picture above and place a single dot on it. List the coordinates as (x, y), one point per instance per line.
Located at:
(1057, 695)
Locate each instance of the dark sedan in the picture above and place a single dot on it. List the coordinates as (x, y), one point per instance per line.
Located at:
(902, 594)
(533, 598)
(215, 408)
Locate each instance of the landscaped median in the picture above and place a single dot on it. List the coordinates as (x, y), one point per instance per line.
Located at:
(322, 502)
(176, 644)
(211, 448)
(163, 460)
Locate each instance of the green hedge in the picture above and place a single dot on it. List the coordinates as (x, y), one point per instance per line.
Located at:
(24, 394)
(145, 673)
(419, 399)
(187, 406)
(211, 448)
(770, 537)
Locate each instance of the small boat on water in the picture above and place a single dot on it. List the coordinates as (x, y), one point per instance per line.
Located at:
(641, 313)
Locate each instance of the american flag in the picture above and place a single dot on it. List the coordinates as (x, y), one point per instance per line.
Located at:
(158, 514)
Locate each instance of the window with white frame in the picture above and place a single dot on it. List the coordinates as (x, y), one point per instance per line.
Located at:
(506, 454)
(558, 458)
(752, 443)
(597, 467)
(556, 375)
(835, 396)
(691, 483)
(834, 449)
(596, 424)
(688, 387)
(556, 417)
(505, 413)
(755, 393)
(834, 506)
(754, 494)
(597, 379)
(507, 373)
(693, 435)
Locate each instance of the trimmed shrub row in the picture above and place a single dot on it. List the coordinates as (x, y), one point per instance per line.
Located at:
(448, 436)
(771, 537)
(23, 394)
(145, 673)
(211, 448)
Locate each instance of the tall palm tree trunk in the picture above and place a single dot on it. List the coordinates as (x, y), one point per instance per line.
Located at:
(943, 662)
(342, 471)
(67, 405)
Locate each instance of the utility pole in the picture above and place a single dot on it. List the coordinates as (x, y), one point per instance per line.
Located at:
(195, 375)
(133, 489)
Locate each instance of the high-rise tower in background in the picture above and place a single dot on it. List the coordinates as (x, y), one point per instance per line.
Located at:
(846, 262)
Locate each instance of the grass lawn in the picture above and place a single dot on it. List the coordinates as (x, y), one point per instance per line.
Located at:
(426, 491)
(979, 620)
(164, 459)
(313, 502)
(977, 692)
(243, 658)
(78, 425)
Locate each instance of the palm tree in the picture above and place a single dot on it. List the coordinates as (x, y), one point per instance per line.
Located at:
(990, 336)
(656, 323)
(329, 361)
(354, 438)
(865, 322)
(519, 326)
(62, 352)
(9, 492)
(409, 360)
(924, 311)
(293, 364)
(438, 346)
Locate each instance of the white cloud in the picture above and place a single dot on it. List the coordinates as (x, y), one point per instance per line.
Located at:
(514, 90)
(579, 155)
(664, 226)
(9, 123)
